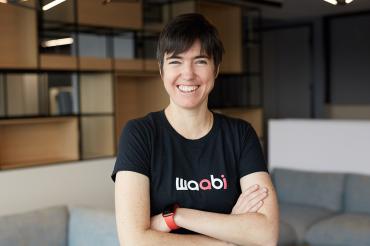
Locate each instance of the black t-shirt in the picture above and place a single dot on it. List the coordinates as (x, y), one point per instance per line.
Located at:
(200, 174)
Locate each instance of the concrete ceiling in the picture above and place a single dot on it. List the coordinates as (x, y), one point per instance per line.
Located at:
(303, 9)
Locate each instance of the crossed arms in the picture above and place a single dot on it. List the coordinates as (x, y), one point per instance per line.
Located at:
(253, 221)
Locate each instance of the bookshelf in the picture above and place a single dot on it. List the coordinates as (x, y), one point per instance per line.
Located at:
(136, 94)
(18, 42)
(38, 141)
(81, 95)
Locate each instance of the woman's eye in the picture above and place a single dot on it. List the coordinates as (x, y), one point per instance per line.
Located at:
(202, 61)
(174, 62)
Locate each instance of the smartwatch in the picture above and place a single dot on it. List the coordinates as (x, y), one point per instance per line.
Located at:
(168, 215)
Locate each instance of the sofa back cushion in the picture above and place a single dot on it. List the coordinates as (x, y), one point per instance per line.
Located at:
(92, 227)
(323, 190)
(41, 227)
(357, 194)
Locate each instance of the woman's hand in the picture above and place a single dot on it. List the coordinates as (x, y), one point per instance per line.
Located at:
(250, 200)
(157, 223)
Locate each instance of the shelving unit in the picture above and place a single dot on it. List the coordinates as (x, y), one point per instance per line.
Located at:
(136, 95)
(38, 141)
(18, 43)
(87, 91)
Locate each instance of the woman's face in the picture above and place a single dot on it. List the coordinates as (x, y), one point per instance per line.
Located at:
(188, 77)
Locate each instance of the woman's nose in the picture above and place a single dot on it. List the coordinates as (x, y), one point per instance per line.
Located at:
(187, 72)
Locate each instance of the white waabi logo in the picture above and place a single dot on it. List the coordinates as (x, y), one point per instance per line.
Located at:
(204, 184)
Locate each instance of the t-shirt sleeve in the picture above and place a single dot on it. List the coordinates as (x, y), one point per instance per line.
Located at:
(251, 157)
(133, 150)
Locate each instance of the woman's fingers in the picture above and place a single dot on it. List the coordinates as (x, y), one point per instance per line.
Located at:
(249, 200)
(242, 197)
(256, 207)
(253, 200)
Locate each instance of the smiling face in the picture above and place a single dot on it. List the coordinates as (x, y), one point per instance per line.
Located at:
(188, 77)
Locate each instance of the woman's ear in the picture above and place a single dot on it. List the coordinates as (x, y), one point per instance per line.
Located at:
(217, 71)
(160, 70)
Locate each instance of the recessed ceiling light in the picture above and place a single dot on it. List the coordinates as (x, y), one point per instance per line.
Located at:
(57, 42)
(339, 2)
(334, 2)
(52, 4)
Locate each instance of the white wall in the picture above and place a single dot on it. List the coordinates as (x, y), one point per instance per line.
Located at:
(85, 183)
(320, 145)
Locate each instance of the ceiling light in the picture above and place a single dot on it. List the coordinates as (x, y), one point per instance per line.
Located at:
(52, 4)
(339, 2)
(334, 2)
(57, 42)
(3, 1)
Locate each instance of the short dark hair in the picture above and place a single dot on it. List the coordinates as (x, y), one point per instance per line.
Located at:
(181, 32)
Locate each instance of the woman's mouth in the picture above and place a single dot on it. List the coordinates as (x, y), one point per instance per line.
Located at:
(187, 88)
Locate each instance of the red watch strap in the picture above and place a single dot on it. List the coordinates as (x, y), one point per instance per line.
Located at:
(170, 221)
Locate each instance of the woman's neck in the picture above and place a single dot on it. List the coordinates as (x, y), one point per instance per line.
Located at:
(191, 124)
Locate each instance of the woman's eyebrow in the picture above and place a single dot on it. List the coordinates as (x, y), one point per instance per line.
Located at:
(180, 57)
(201, 56)
(173, 57)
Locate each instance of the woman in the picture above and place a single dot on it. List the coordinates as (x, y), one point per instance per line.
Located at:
(187, 170)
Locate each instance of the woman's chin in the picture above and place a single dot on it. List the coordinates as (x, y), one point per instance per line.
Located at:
(190, 105)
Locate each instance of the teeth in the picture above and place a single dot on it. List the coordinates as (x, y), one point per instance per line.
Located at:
(187, 88)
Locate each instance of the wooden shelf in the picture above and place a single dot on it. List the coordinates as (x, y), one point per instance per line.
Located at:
(58, 62)
(95, 64)
(229, 26)
(151, 65)
(96, 93)
(97, 136)
(30, 142)
(18, 42)
(154, 27)
(128, 65)
(22, 94)
(253, 116)
(136, 96)
(115, 14)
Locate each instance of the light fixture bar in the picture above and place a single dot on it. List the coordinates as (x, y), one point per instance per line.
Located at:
(334, 2)
(57, 42)
(52, 4)
(349, 1)
(3, 1)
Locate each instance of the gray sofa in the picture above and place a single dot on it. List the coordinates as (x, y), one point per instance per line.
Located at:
(323, 209)
(59, 226)
(316, 209)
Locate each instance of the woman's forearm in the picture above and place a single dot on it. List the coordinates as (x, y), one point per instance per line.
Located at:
(240, 229)
(152, 237)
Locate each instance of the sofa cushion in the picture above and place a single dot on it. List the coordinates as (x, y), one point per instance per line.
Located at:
(36, 228)
(344, 229)
(287, 235)
(357, 194)
(91, 227)
(309, 188)
(302, 217)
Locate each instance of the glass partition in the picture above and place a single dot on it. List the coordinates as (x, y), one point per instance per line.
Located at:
(93, 45)
(22, 95)
(62, 93)
(124, 46)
